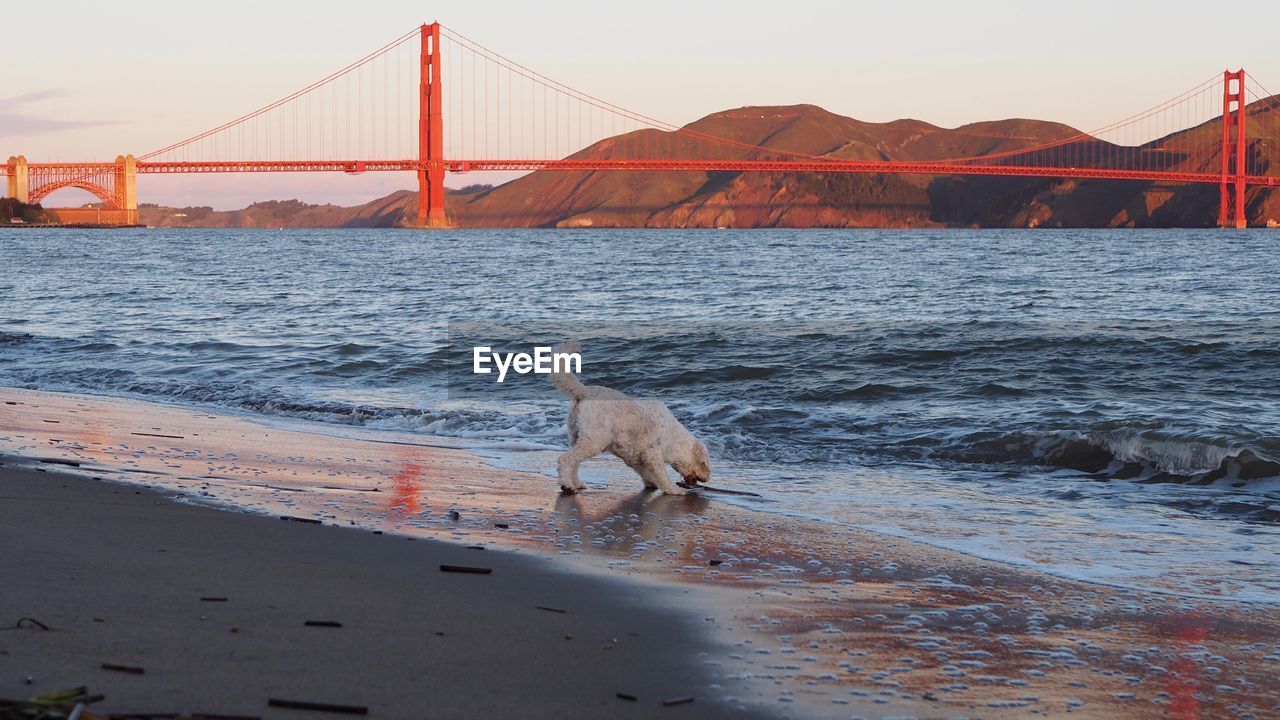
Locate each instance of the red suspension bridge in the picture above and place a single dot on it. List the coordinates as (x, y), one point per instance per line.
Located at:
(433, 102)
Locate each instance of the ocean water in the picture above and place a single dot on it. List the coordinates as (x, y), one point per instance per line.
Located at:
(1102, 405)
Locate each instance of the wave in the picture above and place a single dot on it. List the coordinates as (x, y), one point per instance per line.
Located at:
(808, 432)
(1143, 455)
(967, 396)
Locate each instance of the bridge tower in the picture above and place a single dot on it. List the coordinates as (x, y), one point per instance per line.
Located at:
(431, 132)
(126, 187)
(1231, 210)
(19, 179)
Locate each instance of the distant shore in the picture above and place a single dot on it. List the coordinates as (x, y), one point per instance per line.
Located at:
(65, 226)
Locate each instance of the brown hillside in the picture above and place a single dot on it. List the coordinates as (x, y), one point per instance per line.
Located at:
(687, 199)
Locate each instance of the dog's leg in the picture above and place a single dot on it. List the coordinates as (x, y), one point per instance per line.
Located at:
(654, 474)
(567, 466)
(639, 467)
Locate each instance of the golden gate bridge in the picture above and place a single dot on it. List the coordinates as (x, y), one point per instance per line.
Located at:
(433, 101)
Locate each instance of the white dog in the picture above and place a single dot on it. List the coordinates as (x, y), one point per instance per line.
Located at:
(642, 433)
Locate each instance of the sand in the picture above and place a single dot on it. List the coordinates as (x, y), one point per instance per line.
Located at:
(784, 615)
(119, 575)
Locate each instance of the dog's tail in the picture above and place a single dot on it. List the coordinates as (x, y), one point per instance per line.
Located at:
(567, 382)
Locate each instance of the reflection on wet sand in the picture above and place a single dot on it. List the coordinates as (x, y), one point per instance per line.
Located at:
(405, 497)
(630, 525)
(834, 621)
(1185, 674)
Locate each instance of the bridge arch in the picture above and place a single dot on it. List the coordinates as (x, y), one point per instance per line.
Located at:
(103, 193)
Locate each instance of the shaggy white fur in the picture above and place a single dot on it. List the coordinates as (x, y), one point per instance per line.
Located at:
(642, 433)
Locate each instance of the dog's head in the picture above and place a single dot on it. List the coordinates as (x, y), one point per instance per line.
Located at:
(694, 462)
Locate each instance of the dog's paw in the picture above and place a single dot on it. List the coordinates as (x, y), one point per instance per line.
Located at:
(675, 491)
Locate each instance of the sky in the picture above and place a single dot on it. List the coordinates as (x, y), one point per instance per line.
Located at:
(91, 80)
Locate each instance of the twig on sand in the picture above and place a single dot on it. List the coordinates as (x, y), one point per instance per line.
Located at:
(160, 435)
(213, 599)
(626, 696)
(466, 569)
(551, 609)
(28, 622)
(678, 701)
(59, 461)
(293, 518)
(323, 623)
(722, 491)
(318, 707)
(130, 669)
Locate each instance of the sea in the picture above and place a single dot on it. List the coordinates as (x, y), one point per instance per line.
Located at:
(1101, 405)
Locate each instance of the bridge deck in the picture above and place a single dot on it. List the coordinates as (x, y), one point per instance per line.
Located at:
(792, 166)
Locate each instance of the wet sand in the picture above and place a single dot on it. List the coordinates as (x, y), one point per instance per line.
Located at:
(806, 618)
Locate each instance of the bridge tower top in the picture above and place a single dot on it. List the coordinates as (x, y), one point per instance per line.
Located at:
(19, 179)
(126, 185)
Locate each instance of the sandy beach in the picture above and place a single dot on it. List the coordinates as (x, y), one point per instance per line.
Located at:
(212, 606)
(665, 598)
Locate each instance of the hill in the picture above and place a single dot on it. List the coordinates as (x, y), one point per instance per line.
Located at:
(730, 199)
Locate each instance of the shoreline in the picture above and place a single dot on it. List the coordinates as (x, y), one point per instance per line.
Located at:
(814, 622)
(498, 460)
